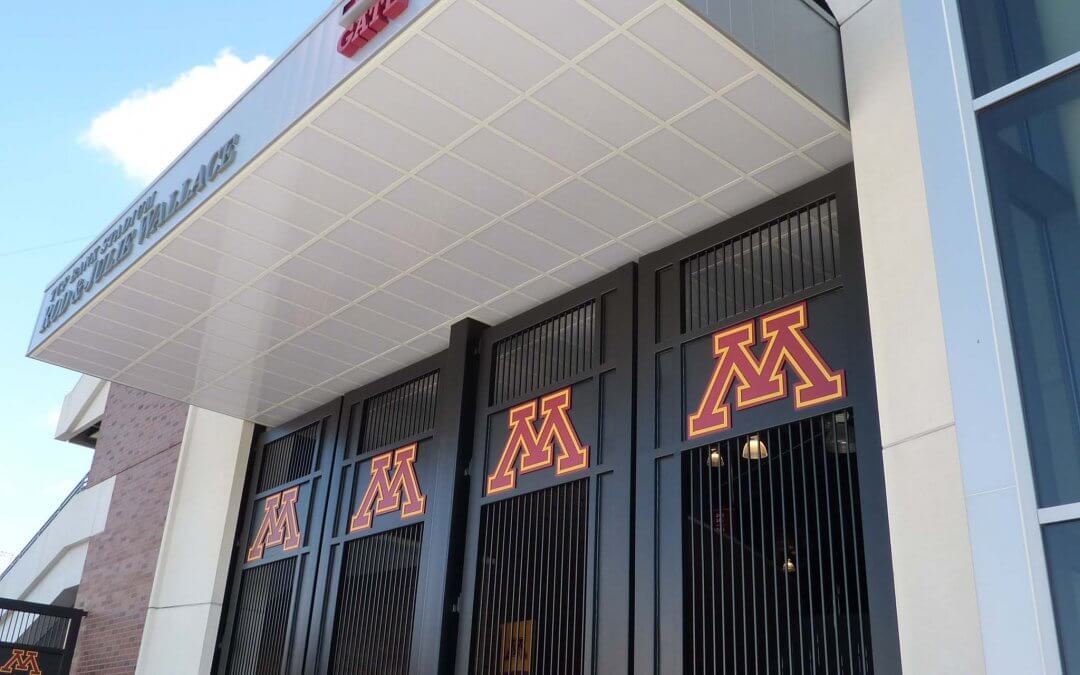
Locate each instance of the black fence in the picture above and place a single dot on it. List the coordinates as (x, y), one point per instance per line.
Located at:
(656, 472)
(36, 638)
(772, 560)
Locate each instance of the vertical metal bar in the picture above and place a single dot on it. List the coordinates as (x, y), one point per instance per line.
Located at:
(856, 545)
(788, 638)
(367, 585)
(758, 267)
(774, 607)
(775, 261)
(342, 615)
(834, 229)
(694, 555)
(713, 560)
(822, 477)
(738, 510)
(757, 520)
(502, 572)
(806, 547)
(834, 458)
(808, 243)
(690, 294)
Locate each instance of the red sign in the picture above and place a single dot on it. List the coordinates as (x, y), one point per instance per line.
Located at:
(535, 448)
(279, 526)
(387, 493)
(367, 25)
(764, 380)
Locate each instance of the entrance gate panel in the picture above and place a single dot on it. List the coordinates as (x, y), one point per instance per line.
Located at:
(278, 547)
(547, 575)
(761, 533)
(390, 567)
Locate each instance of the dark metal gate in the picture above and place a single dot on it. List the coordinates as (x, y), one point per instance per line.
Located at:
(349, 552)
(277, 551)
(36, 638)
(490, 510)
(547, 573)
(761, 530)
(391, 558)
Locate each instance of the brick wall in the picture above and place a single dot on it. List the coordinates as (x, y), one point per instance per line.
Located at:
(139, 444)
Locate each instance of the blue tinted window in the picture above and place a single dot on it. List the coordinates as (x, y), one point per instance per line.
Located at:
(1007, 39)
(1032, 148)
(1062, 544)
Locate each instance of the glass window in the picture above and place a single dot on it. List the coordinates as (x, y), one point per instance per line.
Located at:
(1007, 39)
(1062, 543)
(1032, 148)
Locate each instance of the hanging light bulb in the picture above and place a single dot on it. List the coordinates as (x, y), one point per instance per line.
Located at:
(789, 565)
(754, 448)
(716, 460)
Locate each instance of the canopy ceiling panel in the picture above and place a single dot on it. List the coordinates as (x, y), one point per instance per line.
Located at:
(491, 156)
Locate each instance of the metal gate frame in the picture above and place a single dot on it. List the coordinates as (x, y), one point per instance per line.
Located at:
(608, 601)
(43, 643)
(658, 611)
(435, 621)
(307, 554)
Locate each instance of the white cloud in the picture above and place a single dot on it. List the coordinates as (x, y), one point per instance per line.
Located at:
(150, 127)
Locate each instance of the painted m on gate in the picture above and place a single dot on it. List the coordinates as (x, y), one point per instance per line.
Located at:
(534, 449)
(279, 526)
(22, 661)
(764, 380)
(386, 493)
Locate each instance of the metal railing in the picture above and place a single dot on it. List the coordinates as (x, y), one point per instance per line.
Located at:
(37, 638)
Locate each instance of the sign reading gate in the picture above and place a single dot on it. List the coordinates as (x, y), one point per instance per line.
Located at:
(764, 380)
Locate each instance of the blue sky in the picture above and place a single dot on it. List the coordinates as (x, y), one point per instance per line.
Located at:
(87, 91)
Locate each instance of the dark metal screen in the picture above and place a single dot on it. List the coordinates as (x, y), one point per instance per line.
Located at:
(551, 351)
(530, 595)
(793, 253)
(773, 553)
(401, 412)
(289, 458)
(378, 598)
(262, 619)
(37, 638)
(32, 628)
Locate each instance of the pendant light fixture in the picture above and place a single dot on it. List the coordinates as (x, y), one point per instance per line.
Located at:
(754, 448)
(789, 562)
(716, 460)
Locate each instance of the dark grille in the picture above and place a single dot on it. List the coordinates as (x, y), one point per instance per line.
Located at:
(378, 599)
(530, 593)
(548, 352)
(401, 412)
(33, 629)
(289, 457)
(791, 254)
(262, 619)
(773, 576)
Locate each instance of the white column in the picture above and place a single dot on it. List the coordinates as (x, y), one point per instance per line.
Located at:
(936, 603)
(193, 563)
(970, 582)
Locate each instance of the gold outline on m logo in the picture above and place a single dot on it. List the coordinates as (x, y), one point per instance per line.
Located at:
(279, 526)
(23, 661)
(528, 449)
(387, 493)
